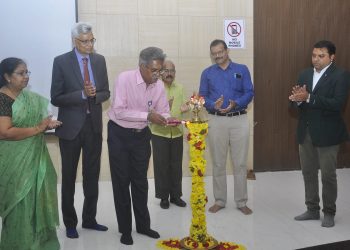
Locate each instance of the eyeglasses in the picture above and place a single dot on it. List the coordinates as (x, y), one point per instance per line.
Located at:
(219, 53)
(23, 74)
(168, 71)
(155, 72)
(87, 42)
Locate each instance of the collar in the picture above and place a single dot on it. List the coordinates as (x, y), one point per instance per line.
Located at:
(80, 56)
(323, 70)
(230, 65)
(139, 79)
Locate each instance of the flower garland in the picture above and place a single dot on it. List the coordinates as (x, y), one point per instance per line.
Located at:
(199, 238)
(196, 140)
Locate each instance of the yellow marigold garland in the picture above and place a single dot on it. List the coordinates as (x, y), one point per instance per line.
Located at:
(199, 238)
(196, 140)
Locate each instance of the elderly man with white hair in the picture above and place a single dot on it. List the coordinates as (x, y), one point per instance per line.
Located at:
(79, 87)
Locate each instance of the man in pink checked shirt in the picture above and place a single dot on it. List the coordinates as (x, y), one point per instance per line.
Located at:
(139, 99)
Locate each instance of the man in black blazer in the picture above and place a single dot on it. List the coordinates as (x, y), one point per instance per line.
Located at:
(320, 96)
(79, 86)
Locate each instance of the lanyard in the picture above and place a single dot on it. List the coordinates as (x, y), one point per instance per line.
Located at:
(149, 104)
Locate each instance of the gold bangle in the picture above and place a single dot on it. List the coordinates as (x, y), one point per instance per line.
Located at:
(37, 129)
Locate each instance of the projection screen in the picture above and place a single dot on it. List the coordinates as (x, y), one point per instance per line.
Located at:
(37, 31)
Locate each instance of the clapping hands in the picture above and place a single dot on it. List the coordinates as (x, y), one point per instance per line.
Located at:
(48, 123)
(299, 94)
(89, 90)
(185, 107)
(220, 101)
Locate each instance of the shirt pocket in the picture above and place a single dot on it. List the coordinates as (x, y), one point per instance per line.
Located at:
(237, 84)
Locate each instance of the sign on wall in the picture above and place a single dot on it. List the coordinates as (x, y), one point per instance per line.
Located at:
(234, 34)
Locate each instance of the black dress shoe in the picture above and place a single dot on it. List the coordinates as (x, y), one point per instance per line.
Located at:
(72, 233)
(164, 203)
(96, 227)
(178, 202)
(150, 233)
(126, 239)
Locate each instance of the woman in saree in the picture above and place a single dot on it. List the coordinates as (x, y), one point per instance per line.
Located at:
(28, 193)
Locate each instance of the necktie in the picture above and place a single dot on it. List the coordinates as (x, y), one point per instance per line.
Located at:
(86, 80)
(86, 71)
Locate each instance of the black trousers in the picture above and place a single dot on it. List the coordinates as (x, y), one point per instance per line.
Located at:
(167, 162)
(129, 153)
(91, 145)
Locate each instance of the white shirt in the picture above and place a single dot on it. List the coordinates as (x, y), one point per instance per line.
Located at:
(317, 76)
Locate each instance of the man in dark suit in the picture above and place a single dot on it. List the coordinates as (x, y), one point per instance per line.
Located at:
(79, 86)
(320, 96)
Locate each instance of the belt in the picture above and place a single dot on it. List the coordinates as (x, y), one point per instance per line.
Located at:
(230, 114)
(132, 130)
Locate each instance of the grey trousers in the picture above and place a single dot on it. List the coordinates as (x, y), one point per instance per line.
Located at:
(312, 159)
(229, 133)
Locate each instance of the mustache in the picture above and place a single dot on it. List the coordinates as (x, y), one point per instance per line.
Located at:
(168, 77)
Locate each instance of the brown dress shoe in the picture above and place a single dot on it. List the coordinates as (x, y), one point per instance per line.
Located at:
(245, 210)
(215, 208)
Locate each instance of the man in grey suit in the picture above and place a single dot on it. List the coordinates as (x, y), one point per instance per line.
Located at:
(320, 96)
(79, 86)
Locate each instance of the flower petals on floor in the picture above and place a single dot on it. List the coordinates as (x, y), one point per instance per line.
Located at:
(174, 244)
